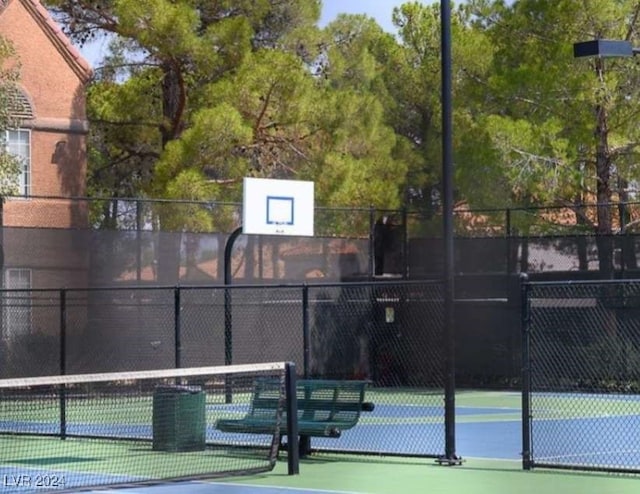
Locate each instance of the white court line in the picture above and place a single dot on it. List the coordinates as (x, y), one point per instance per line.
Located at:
(587, 454)
(293, 489)
(225, 487)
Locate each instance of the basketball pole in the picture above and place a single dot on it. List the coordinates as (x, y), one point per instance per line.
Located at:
(228, 321)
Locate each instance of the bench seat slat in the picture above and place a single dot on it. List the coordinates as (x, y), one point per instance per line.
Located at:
(309, 405)
(256, 426)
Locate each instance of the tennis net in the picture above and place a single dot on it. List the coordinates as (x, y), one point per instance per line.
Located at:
(79, 431)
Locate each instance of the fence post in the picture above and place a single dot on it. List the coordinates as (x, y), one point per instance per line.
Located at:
(306, 340)
(176, 326)
(510, 266)
(291, 408)
(63, 363)
(138, 241)
(63, 332)
(2, 199)
(372, 244)
(527, 462)
(405, 244)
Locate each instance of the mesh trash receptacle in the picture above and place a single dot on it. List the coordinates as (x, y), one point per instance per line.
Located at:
(178, 418)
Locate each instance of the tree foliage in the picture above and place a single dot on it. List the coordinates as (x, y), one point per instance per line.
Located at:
(9, 75)
(562, 128)
(197, 94)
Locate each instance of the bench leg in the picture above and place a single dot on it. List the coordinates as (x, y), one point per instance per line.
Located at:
(304, 446)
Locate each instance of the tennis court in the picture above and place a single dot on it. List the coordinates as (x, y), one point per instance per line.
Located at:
(333, 475)
(341, 475)
(488, 433)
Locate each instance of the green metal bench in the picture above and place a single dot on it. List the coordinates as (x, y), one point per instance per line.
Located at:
(325, 408)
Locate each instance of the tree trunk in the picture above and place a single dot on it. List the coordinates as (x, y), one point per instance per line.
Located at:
(173, 102)
(603, 189)
(628, 255)
(581, 241)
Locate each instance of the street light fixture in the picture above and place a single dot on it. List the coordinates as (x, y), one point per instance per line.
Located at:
(599, 49)
(604, 48)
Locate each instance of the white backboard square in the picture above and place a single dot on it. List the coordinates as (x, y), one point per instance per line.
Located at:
(277, 207)
(280, 210)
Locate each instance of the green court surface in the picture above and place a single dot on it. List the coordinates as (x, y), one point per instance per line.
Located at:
(111, 461)
(402, 476)
(488, 438)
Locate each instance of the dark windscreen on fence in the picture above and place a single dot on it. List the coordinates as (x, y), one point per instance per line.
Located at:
(68, 258)
(386, 333)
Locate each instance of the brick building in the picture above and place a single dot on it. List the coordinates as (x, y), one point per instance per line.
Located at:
(39, 249)
(50, 102)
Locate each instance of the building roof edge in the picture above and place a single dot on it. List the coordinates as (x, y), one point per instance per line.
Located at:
(60, 40)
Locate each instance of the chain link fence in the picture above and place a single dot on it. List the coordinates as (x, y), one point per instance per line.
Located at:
(582, 375)
(389, 333)
(98, 242)
(144, 289)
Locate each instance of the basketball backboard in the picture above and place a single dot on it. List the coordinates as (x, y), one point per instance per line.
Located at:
(277, 207)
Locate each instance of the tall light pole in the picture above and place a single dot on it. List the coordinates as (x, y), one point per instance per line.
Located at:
(450, 457)
(600, 49)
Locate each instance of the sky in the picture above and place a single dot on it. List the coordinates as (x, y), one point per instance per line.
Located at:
(380, 10)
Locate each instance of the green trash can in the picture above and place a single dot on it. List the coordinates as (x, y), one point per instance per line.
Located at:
(179, 422)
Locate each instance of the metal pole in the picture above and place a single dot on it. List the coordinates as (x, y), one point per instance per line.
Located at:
(228, 323)
(138, 242)
(63, 364)
(447, 193)
(176, 326)
(228, 279)
(527, 462)
(372, 242)
(291, 407)
(510, 265)
(405, 244)
(304, 442)
(306, 339)
(63, 332)
(2, 199)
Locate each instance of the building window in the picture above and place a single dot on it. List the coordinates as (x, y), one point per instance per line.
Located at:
(17, 306)
(18, 143)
